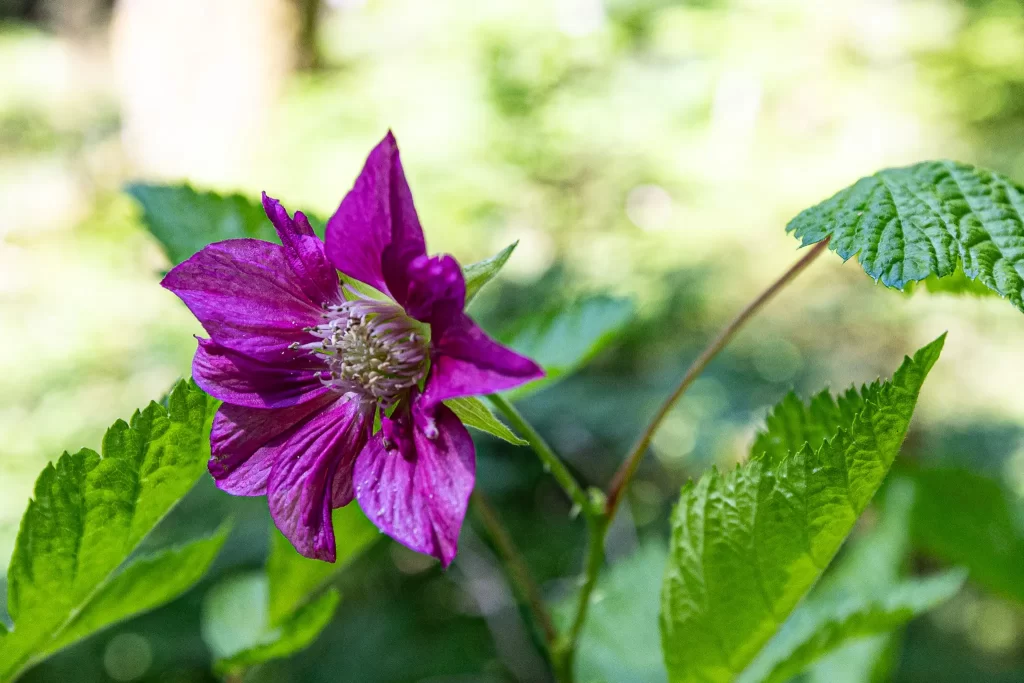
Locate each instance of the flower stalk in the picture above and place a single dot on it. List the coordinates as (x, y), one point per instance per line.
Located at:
(599, 509)
(550, 461)
(620, 482)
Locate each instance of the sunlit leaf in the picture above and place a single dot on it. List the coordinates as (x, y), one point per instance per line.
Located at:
(474, 413)
(929, 219)
(88, 514)
(480, 273)
(747, 545)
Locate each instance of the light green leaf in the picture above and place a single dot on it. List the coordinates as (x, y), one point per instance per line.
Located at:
(90, 512)
(907, 224)
(747, 545)
(474, 413)
(293, 635)
(871, 564)
(969, 519)
(563, 340)
(145, 584)
(184, 220)
(480, 273)
(619, 642)
(821, 626)
(294, 579)
(236, 623)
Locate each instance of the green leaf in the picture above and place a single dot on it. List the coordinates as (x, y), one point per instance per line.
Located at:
(184, 220)
(821, 626)
(474, 413)
(145, 584)
(294, 579)
(236, 625)
(969, 519)
(747, 545)
(480, 273)
(870, 564)
(907, 224)
(562, 340)
(295, 634)
(619, 642)
(90, 512)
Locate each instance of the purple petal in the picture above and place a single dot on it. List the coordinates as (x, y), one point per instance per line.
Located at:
(420, 501)
(240, 442)
(301, 487)
(434, 289)
(466, 362)
(407, 242)
(230, 376)
(377, 211)
(247, 297)
(305, 253)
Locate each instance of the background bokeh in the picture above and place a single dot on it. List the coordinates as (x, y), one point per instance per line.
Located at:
(650, 149)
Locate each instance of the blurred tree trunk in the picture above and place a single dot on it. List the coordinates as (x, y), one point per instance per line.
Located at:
(308, 49)
(75, 17)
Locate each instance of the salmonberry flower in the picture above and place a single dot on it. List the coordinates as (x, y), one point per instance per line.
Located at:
(303, 364)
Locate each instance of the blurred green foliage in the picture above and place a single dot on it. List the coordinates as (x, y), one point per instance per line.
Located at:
(650, 149)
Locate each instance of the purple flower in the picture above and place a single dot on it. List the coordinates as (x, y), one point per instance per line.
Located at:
(303, 364)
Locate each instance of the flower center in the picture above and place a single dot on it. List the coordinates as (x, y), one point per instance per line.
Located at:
(372, 349)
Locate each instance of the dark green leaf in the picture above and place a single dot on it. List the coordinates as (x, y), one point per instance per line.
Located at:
(480, 273)
(969, 519)
(474, 413)
(90, 512)
(747, 545)
(929, 219)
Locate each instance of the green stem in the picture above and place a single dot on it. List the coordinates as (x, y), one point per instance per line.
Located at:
(620, 482)
(518, 571)
(551, 462)
(564, 658)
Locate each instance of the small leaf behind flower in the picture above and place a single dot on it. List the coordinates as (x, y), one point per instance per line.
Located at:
(185, 220)
(237, 627)
(480, 273)
(747, 545)
(474, 413)
(562, 340)
(294, 579)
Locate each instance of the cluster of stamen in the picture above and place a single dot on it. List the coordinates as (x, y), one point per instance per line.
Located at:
(371, 348)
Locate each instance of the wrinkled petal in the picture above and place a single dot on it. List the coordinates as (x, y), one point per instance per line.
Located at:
(467, 362)
(300, 489)
(305, 253)
(435, 290)
(247, 297)
(375, 213)
(241, 443)
(230, 376)
(420, 501)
